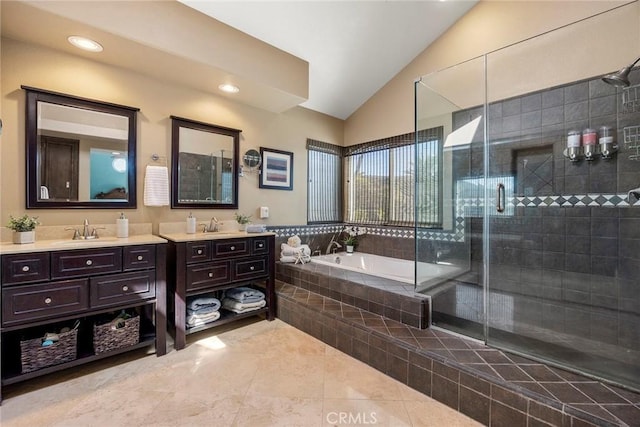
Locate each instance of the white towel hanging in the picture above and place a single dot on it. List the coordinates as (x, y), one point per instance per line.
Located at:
(156, 186)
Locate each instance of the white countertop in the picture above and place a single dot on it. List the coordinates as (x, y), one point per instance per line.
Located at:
(67, 244)
(220, 235)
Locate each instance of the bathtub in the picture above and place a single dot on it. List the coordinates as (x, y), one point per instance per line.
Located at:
(429, 275)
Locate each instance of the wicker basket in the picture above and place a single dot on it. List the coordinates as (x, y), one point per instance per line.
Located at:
(34, 356)
(106, 338)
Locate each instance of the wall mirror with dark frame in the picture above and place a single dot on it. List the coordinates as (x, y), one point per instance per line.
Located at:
(81, 153)
(204, 165)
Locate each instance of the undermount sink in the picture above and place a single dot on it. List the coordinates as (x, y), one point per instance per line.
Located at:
(81, 242)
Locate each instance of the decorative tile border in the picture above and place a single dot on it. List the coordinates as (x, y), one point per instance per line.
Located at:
(579, 200)
(566, 201)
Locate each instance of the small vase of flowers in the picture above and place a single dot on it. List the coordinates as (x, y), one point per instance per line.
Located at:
(351, 237)
(242, 220)
(23, 228)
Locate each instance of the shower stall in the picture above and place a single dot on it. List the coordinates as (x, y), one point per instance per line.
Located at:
(546, 233)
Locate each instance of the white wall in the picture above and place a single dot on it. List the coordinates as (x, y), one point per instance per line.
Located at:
(489, 26)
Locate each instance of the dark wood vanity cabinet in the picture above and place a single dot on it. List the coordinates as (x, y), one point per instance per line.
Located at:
(209, 266)
(42, 290)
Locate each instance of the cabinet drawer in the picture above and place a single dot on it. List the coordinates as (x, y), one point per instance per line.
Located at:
(208, 274)
(32, 302)
(138, 257)
(259, 246)
(25, 268)
(251, 268)
(230, 248)
(198, 251)
(85, 262)
(122, 288)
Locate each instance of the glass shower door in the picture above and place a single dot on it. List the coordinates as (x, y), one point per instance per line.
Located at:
(449, 190)
(558, 233)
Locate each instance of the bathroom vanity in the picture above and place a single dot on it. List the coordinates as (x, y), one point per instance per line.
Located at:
(209, 263)
(75, 284)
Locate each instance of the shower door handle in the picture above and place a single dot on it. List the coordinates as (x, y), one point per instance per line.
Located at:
(500, 204)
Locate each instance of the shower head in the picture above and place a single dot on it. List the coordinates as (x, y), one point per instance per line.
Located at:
(621, 78)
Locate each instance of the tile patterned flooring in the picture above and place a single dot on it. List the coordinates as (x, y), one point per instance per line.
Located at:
(613, 404)
(250, 373)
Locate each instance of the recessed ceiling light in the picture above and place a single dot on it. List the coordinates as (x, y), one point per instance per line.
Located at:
(229, 88)
(85, 43)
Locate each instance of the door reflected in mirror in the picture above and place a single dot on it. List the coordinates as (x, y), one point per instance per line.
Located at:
(204, 165)
(80, 153)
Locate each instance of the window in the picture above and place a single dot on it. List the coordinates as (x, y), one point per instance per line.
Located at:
(382, 180)
(324, 195)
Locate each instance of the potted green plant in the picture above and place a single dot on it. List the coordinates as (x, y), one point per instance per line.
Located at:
(23, 228)
(351, 236)
(242, 220)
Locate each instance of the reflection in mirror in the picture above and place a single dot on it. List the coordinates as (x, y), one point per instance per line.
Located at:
(80, 152)
(204, 165)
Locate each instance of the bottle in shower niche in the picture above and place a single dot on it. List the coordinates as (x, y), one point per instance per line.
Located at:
(191, 224)
(122, 226)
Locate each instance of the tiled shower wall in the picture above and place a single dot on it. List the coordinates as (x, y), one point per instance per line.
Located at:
(580, 256)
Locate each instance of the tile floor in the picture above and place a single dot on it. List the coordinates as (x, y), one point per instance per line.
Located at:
(251, 373)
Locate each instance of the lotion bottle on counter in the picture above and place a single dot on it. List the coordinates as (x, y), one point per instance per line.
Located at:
(191, 224)
(122, 226)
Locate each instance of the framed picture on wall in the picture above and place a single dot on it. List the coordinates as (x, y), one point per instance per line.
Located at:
(276, 171)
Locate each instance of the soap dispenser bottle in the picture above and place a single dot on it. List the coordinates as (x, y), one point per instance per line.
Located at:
(191, 224)
(122, 226)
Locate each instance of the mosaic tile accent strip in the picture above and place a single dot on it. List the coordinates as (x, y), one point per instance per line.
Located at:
(578, 200)
(397, 232)
(305, 230)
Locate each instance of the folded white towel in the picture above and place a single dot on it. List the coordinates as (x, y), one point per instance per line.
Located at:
(295, 259)
(194, 320)
(239, 307)
(156, 186)
(288, 250)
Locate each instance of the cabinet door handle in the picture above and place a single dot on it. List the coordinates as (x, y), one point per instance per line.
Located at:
(252, 268)
(125, 288)
(199, 251)
(233, 248)
(89, 262)
(25, 268)
(140, 257)
(48, 300)
(210, 274)
(260, 245)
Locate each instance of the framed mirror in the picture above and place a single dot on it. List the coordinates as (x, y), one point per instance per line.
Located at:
(204, 165)
(81, 153)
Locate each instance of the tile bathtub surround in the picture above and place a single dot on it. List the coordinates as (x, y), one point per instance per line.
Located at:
(395, 300)
(490, 386)
(253, 373)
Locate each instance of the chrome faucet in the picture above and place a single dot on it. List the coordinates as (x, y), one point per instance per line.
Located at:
(333, 243)
(85, 229)
(213, 226)
(87, 233)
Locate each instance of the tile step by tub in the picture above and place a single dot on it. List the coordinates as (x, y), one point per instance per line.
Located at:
(493, 387)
